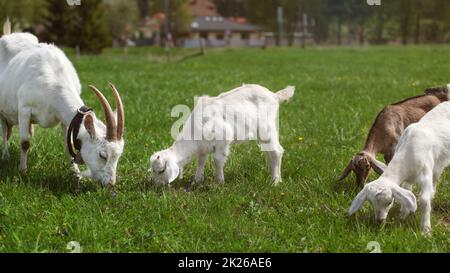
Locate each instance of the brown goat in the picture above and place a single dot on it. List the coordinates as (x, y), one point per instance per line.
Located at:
(387, 129)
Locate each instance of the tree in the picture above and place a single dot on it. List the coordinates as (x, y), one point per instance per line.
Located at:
(23, 13)
(405, 20)
(58, 21)
(339, 11)
(121, 17)
(358, 13)
(182, 19)
(89, 30)
(83, 26)
(144, 8)
(180, 16)
(232, 8)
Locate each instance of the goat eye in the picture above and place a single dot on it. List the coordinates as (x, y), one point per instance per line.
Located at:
(103, 155)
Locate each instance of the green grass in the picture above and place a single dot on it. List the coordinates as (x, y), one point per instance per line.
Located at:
(339, 93)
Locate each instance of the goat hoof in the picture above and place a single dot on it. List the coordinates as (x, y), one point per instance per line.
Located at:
(199, 179)
(426, 231)
(276, 182)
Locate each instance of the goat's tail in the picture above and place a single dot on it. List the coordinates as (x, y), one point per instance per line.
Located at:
(285, 94)
(7, 27)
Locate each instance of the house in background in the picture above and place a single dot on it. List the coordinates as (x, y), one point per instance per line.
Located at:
(216, 31)
(208, 26)
(149, 31)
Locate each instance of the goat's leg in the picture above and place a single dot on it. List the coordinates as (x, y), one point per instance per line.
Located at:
(436, 177)
(73, 166)
(31, 130)
(181, 175)
(404, 212)
(274, 153)
(426, 195)
(275, 158)
(220, 157)
(6, 132)
(199, 174)
(24, 132)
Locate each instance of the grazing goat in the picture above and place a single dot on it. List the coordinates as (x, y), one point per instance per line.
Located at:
(387, 129)
(246, 113)
(422, 153)
(39, 85)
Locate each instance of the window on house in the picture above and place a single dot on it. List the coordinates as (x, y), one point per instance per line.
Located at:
(204, 35)
(245, 36)
(220, 36)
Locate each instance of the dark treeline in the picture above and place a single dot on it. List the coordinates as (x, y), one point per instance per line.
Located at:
(334, 21)
(92, 25)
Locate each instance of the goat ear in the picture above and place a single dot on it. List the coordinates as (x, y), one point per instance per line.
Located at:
(405, 197)
(377, 165)
(172, 170)
(89, 125)
(358, 201)
(347, 170)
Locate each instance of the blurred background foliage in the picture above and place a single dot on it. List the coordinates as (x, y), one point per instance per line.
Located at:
(92, 25)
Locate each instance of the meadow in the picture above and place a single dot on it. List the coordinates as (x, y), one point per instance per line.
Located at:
(339, 93)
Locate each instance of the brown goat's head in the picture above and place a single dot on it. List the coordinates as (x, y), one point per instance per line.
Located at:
(440, 92)
(361, 164)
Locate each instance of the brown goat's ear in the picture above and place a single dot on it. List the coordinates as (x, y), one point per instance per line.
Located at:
(377, 166)
(347, 170)
(89, 125)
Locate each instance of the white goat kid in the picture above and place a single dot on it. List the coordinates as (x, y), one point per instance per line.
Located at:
(246, 113)
(40, 85)
(422, 154)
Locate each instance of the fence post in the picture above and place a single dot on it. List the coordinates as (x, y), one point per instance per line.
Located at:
(202, 46)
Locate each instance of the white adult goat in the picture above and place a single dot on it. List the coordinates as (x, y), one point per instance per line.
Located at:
(40, 85)
(422, 154)
(246, 113)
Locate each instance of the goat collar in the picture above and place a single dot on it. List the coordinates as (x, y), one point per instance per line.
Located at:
(72, 133)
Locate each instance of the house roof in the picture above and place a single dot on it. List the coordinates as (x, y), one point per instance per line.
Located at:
(218, 23)
(203, 8)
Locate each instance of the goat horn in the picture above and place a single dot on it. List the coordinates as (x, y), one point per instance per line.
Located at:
(120, 112)
(111, 126)
(347, 171)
